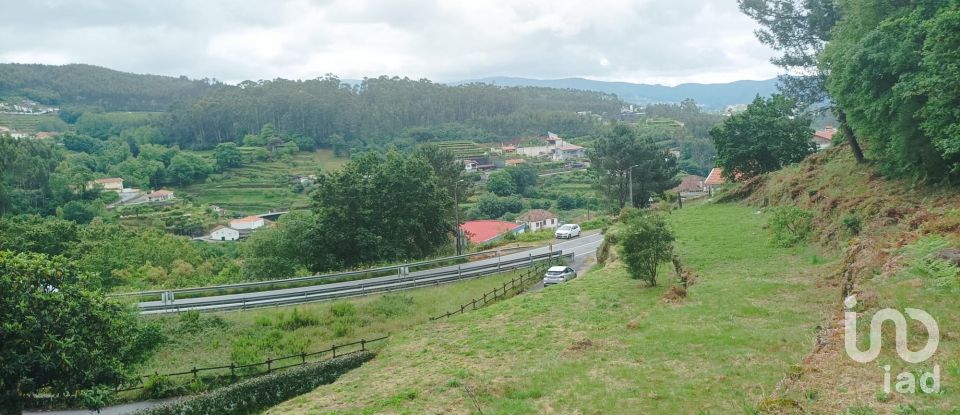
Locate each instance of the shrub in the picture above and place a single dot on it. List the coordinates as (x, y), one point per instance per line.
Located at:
(296, 320)
(158, 386)
(596, 223)
(789, 225)
(645, 242)
(851, 224)
(343, 309)
(393, 305)
(255, 395)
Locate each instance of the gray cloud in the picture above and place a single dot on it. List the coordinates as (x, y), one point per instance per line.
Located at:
(665, 41)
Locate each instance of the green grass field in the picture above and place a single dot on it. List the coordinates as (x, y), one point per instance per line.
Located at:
(606, 344)
(27, 123)
(212, 339)
(261, 186)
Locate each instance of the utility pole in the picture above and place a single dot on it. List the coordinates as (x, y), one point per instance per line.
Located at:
(456, 214)
(630, 182)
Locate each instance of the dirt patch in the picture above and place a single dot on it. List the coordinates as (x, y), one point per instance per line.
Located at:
(675, 295)
(581, 345)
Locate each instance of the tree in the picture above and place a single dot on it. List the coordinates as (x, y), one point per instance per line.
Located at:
(624, 149)
(378, 208)
(187, 167)
(276, 252)
(56, 334)
(227, 155)
(524, 177)
(645, 242)
(78, 211)
(800, 30)
(764, 138)
(501, 183)
(492, 207)
(893, 68)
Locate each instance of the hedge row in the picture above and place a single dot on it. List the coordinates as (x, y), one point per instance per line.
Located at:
(255, 395)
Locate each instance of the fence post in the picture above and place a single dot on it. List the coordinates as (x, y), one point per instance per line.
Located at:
(334, 347)
(194, 372)
(269, 365)
(363, 345)
(484, 298)
(462, 306)
(474, 303)
(303, 357)
(233, 371)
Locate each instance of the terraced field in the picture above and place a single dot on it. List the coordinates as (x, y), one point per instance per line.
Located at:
(262, 186)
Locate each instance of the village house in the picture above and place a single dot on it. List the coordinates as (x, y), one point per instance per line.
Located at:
(223, 233)
(714, 180)
(690, 183)
(248, 223)
(159, 196)
(114, 184)
(470, 165)
(824, 137)
(482, 231)
(537, 219)
(514, 162)
(569, 151)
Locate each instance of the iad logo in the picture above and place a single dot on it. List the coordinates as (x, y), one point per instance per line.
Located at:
(906, 381)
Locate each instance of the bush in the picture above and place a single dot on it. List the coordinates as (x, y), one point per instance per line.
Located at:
(255, 395)
(393, 305)
(596, 223)
(789, 225)
(851, 224)
(645, 243)
(296, 320)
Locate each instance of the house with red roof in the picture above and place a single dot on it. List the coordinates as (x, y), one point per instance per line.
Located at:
(714, 180)
(824, 137)
(483, 231)
(689, 183)
(537, 219)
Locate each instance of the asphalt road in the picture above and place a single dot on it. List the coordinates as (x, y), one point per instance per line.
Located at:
(581, 246)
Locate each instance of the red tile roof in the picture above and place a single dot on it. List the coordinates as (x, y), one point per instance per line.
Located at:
(535, 215)
(715, 177)
(247, 219)
(825, 134)
(690, 183)
(480, 231)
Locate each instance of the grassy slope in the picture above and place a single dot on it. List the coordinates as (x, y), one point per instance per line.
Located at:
(605, 344)
(212, 346)
(877, 263)
(262, 186)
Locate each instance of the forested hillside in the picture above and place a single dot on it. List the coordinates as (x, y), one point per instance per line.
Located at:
(334, 113)
(93, 86)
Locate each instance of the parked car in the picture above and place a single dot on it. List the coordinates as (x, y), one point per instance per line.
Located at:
(558, 274)
(570, 230)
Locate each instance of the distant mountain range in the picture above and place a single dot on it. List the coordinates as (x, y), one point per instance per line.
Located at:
(710, 96)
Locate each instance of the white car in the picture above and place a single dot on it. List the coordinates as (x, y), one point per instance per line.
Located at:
(559, 273)
(570, 230)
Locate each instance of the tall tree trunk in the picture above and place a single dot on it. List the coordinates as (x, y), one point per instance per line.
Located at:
(851, 139)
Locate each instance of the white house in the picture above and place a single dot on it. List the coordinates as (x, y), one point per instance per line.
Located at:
(223, 233)
(159, 196)
(470, 165)
(537, 219)
(114, 184)
(824, 137)
(247, 223)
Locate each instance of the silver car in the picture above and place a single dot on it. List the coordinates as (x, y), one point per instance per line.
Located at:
(558, 274)
(570, 230)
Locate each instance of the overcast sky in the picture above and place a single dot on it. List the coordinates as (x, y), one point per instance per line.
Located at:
(648, 41)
